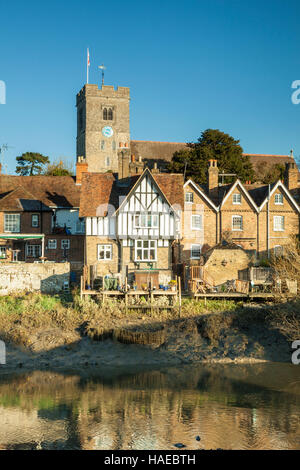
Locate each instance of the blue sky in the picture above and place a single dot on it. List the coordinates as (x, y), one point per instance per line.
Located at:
(190, 65)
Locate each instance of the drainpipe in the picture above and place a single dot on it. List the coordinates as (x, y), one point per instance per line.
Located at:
(268, 223)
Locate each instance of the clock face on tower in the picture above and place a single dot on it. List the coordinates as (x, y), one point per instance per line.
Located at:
(107, 131)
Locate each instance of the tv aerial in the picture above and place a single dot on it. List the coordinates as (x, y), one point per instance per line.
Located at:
(102, 68)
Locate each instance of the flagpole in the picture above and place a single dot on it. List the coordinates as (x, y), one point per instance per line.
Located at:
(87, 67)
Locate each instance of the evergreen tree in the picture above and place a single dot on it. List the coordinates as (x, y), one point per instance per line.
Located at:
(213, 144)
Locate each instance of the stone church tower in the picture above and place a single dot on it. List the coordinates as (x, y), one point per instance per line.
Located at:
(102, 126)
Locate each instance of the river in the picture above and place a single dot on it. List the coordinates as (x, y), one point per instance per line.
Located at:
(227, 406)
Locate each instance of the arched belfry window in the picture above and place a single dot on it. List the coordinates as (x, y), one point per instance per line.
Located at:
(105, 114)
(110, 114)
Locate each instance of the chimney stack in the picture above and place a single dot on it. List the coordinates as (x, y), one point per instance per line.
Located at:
(213, 179)
(291, 176)
(81, 167)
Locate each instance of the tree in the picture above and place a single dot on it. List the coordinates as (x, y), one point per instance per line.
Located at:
(213, 144)
(268, 175)
(31, 163)
(59, 168)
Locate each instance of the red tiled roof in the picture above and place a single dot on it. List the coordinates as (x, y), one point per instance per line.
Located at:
(52, 191)
(171, 184)
(101, 192)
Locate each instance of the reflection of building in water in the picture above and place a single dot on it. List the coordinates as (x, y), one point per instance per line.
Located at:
(151, 411)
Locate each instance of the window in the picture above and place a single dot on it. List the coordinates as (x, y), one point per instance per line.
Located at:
(110, 114)
(113, 145)
(146, 221)
(52, 244)
(34, 251)
(237, 198)
(278, 250)
(104, 252)
(65, 244)
(189, 197)
(105, 114)
(2, 252)
(196, 222)
(102, 144)
(12, 223)
(237, 222)
(107, 161)
(145, 250)
(195, 251)
(80, 226)
(278, 223)
(35, 220)
(279, 199)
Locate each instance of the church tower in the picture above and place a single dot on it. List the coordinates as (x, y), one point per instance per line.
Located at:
(102, 126)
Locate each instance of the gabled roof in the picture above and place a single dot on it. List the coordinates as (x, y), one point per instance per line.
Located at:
(13, 200)
(243, 190)
(52, 191)
(170, 185)
(202, 193)
(273, 188)
(101, 192)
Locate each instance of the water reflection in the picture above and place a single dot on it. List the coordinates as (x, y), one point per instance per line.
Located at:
(230, 407)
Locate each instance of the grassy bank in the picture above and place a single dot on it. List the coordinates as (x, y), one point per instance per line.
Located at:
(217, 329)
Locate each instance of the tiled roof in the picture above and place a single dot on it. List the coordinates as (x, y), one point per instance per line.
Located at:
(155, 150)
(52, 191)
(171, 184)
(163, 152)
(101, 192)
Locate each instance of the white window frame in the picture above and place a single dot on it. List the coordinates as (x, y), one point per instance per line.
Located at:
(65, 244)
(52, 244)
(189, 197)
(106, 248)
(278, 195)
(235, 197)
(193, 226)
(278, 227)
(138, 220)
(37, 218)
(199, 247)
(145, 250)
(31, 250)
(241, 219)
(17, 222)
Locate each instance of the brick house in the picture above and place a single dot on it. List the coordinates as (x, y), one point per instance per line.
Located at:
(259, 218)
(39, 218)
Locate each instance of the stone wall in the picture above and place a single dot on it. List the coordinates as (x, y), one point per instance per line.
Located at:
(47, 278)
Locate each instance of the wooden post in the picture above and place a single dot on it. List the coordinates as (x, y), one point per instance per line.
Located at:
(81, 282)
(179, 294)
(151, 296)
